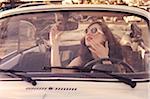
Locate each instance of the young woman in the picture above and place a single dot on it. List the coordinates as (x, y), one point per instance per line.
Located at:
(98, 42)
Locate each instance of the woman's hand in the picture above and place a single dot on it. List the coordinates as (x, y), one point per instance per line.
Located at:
(54, 35)
(101, 50)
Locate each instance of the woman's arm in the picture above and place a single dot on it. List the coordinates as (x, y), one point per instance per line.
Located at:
(76, 62)
(54, 42)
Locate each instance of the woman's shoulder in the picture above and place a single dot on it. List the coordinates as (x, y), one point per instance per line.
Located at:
(76, 62)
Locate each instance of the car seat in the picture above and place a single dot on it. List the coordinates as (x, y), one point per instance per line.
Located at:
(68, 53)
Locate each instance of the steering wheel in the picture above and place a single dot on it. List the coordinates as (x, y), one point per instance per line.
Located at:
(90, 64)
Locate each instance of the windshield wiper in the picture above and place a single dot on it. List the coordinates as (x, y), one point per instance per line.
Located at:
(125, 80)
(24, 78)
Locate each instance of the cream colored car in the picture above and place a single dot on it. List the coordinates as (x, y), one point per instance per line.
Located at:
(31, 68)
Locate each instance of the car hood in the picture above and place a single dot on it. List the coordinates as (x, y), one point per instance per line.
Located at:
(72, 90)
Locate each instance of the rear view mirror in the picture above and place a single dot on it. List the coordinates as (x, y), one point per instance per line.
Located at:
(67, 26)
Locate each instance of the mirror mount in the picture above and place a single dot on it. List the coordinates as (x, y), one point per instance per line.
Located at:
(67, 26)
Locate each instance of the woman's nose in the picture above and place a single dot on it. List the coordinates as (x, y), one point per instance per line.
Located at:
(89, 34)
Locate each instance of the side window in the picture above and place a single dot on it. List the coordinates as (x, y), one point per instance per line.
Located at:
(16, 35)
(8, 37)
(26, 34)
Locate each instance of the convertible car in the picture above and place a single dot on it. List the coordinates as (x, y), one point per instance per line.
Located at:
(32, 68)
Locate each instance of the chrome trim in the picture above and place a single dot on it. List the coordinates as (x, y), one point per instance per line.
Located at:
(52, 7)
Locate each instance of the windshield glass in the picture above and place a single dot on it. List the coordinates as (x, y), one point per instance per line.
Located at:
(39, 41)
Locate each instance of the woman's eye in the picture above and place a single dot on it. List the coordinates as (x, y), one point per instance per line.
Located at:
(93, 30)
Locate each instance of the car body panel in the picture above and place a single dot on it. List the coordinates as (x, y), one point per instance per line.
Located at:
(73, 89)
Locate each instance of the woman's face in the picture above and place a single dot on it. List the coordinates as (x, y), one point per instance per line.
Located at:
(94, 33)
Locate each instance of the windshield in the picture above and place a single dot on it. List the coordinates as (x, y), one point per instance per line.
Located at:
(119, 42)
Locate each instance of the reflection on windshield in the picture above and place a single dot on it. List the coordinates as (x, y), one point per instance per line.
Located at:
(75, 39)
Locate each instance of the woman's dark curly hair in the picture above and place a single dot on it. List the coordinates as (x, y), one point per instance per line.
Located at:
(115, 50)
